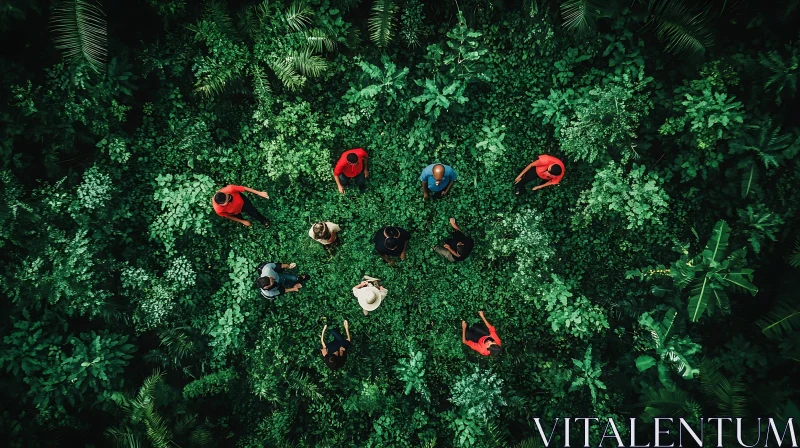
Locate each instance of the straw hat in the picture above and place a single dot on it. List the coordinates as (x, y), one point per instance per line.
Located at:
(369, 297)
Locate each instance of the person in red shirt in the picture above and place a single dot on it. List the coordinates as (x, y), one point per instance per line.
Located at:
(229, 202)
(352, 166)
(547, 167)
(481, 337)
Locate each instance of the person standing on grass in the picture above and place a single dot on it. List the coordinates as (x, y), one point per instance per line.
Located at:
(546, 167)
(391, 242)
(229, 202)
(437, 179)
(457, 247)
(324, 232)
(351, 167)
(370, 294)
(335, 353)
(481, 337)
(273, 280)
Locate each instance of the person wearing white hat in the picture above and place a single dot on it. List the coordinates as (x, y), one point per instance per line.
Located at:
(369, 294)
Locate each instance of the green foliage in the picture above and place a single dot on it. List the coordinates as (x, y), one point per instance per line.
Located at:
(672, 352)
(64, 371)
(80, 32)
(411, 371)
(760, 223)
(184, 201)
(636, 196)
(588, 375)
(705, 115)
(213, 383)
(576, 317)
(114, 262)
(381, 22)
(783, 71)
(144, 419)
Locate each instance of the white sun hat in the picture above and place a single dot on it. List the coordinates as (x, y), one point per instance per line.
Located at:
(369, 297)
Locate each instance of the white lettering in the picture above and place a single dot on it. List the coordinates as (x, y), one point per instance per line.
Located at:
(541, 432)
(780, 439)
(683, 424)
(659, 432)
(616, 434)
(719, 428)
(633, 436)
(586, 429)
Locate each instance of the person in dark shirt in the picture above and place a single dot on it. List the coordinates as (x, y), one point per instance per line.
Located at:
(457, 247)
(335, 353)
(391, 242)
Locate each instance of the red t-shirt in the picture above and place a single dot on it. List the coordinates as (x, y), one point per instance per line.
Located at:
(350, 170)
(480, 346)
(542, 163)
(234, 207)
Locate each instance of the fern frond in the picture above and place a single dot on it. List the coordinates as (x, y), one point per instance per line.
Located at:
(157, 431)
(530, 442)
(783, 319)
(177, 342)
(580, 15)
(261, 85)
(684, 29)
(80, 32)
(381, 22)
(149, 385)
(298, 16)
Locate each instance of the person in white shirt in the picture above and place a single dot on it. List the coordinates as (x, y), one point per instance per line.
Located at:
(369, 294)
(324, 232)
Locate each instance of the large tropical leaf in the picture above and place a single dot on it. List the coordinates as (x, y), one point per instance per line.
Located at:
(580, 15)
(699, 296)
(80, 31)
(783, 319)
(667, 403)
(381, 22)
(717, 244)
(683, 27)
(749, 178)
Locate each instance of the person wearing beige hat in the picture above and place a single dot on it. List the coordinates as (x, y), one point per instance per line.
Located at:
(369, 294)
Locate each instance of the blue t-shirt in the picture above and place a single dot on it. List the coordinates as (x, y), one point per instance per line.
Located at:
(427, 177)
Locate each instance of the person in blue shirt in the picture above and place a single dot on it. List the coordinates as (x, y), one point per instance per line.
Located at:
(437, 179)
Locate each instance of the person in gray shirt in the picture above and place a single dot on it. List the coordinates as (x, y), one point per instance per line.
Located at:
(273, 280)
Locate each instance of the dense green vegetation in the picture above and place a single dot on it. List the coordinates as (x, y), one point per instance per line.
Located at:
(659, 278)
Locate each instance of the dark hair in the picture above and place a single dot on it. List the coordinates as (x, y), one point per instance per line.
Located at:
(220, 197)
(495, 349)
(555, 170)
(390, 243)
(333, 361)
(352, 158)
(262, 282)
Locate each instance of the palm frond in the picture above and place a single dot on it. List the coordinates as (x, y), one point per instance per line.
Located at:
(580, 15)
(80, 31)
(158, 432)
(317, 39)
(149, 385)
(685, 29)
(298, 16)
(307, 64)
(217, 11)
(177, 342)
(286, 73)
(530, 442)
(794, 258)
(381, 22)
(783, 319)
(123, 437)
